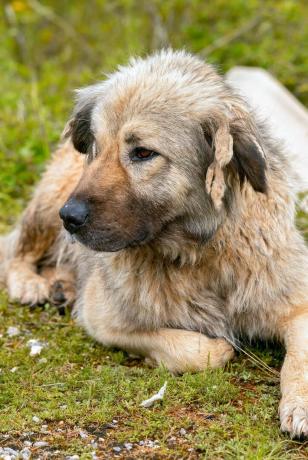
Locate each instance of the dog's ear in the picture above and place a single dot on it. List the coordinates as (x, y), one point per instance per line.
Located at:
(236, 148)
(79, 129)
(249, 158)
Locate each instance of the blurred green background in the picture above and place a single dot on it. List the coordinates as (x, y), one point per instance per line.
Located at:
(48, 48)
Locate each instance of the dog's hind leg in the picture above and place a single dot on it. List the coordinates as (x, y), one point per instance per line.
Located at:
(40, 226)
(293, 407)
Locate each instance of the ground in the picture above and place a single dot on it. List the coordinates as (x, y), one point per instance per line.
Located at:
(76, 395)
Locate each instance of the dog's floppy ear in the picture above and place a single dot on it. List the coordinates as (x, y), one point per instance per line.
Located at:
(235, 145)
(79, 129)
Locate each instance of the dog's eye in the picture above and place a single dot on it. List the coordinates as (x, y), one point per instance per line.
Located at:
(142, 154)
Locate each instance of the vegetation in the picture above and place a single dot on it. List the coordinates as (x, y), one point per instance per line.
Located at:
(87, 398)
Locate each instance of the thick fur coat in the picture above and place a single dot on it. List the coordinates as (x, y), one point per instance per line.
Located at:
(183, 212)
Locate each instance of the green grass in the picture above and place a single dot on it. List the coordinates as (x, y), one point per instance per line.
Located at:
(48, 49)
(76, 385)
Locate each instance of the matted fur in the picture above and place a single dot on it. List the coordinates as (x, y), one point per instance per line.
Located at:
(185, 252)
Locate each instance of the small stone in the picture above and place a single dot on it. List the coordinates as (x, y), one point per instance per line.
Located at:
(9, 451)
(117, 449)
(25, 453)
(72, 457)
(182, 432)
(41, 444)
(63, 407)
(35, 419)
(128, 445)
(28, 443)
(14, 369)
(83, 434)
(35, 347)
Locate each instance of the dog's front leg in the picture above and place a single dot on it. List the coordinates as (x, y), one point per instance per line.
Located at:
(179, 350)
(40, 226)
(293, 407)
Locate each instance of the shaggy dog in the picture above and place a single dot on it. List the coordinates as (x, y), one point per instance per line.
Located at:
(183, 212)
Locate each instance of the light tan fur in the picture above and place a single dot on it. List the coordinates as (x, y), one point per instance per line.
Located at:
(185, 252)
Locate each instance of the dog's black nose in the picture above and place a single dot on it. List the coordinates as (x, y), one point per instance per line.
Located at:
(74, 214)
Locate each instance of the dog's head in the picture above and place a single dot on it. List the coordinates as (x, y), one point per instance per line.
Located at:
(165, 140)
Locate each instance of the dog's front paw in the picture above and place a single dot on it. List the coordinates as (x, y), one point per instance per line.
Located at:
(192, 352)
(30, 289)
(294, 417)
(62, 293)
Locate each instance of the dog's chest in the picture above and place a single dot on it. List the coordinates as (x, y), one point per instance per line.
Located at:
(146, 293)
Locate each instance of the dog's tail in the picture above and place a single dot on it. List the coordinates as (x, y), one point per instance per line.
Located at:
(8, 244)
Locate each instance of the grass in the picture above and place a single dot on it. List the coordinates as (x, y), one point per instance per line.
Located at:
(76, 387)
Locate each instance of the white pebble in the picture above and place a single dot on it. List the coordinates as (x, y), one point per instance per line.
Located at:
(9, 451)
(28, 443)
(72, 457)
(35, 419)
(117, 449)
(182, 431)
(35, 347)
(83, 435)
(14, 369)
(41, 444)
(36, 350)
(25, 453)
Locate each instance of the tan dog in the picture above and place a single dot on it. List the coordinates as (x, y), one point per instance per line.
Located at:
(184, 209)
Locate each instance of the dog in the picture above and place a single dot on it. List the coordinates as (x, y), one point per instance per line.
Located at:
(181, 208)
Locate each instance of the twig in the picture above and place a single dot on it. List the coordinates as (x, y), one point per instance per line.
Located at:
(160, 33)
(231, 37)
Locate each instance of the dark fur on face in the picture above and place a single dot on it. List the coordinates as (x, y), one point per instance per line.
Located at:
(80, 130)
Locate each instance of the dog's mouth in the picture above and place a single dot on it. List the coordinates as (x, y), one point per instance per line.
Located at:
(104, 241)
